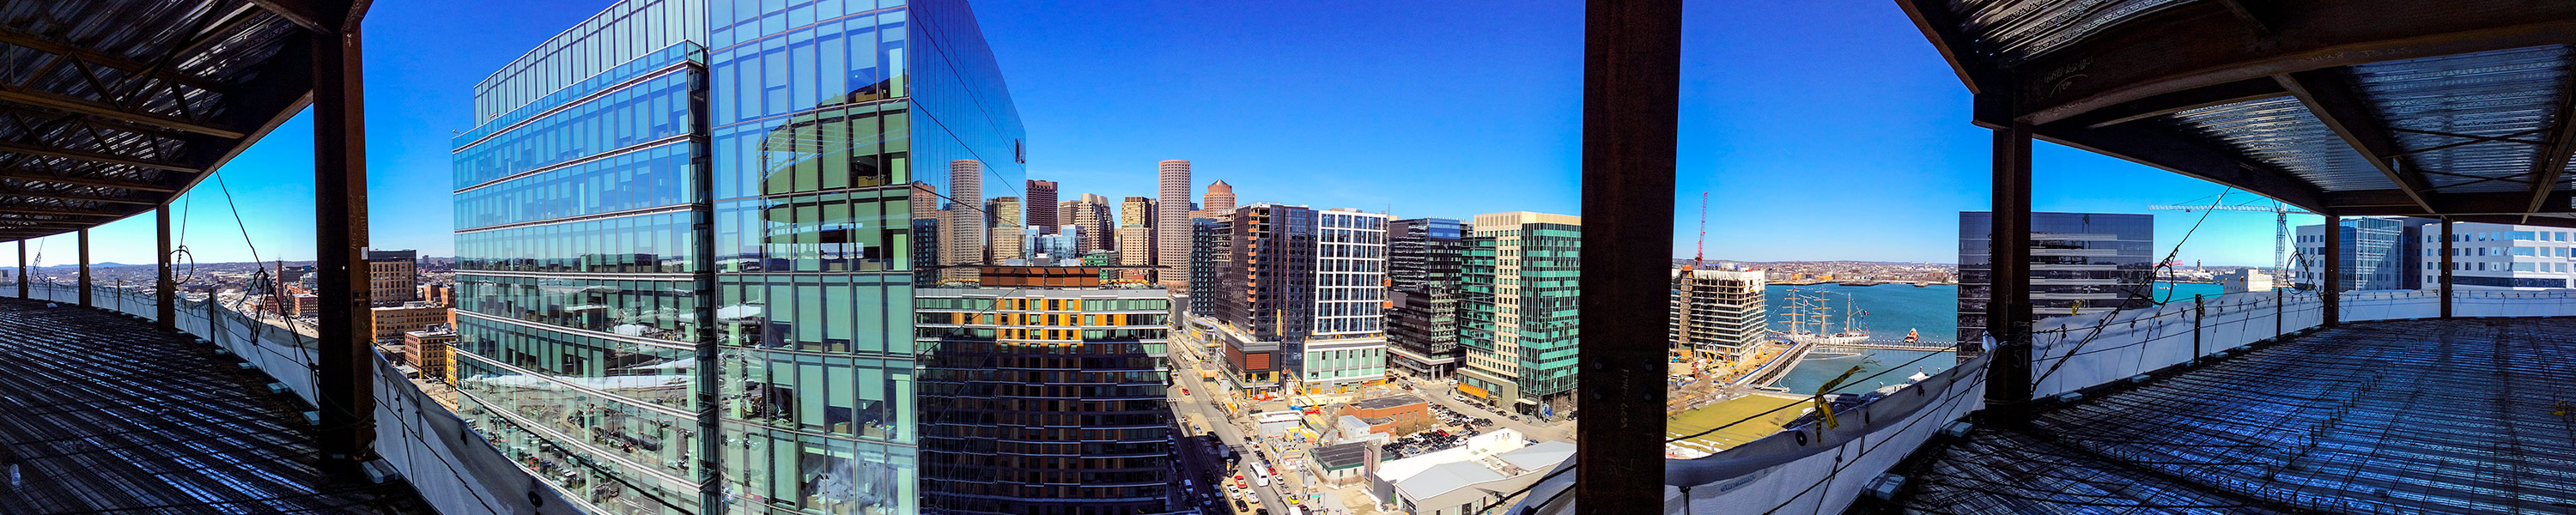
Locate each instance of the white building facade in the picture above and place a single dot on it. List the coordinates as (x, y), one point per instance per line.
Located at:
(2496, 257)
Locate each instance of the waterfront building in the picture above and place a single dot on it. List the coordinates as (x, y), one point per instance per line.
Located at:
(2494, 257)
(1091, 213)
(1172, 224)
(2244, 280)
(2379, 253)
(1002, 216)
(728, 327)
(2079, 263)
(1423, 256)
(1518, 284)
(1718, 314)
(1042, 205)
(1024, 428)
(393, 277)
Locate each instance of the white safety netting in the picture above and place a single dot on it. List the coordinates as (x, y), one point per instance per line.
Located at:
(453, 467)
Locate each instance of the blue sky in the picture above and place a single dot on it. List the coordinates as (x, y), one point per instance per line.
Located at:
(1823, 130)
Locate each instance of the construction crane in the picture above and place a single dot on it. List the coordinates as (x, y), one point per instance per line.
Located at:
(2280, 228)
(1700, 249)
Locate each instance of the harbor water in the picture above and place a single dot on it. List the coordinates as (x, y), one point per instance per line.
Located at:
(1891, 309)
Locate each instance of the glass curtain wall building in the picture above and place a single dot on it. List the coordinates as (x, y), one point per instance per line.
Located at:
(2079, 263)
(1422, 279)
(730, 183)
(1517, 320)
(2379, 254)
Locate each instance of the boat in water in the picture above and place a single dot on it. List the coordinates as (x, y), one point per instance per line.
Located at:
(1817, 312)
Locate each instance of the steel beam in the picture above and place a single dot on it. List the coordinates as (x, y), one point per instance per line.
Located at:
(97, 109)
(94, 157)
(2201, 44)
(167, 290)
(1631, 118)
(2554, 158)
(2179, 101)
(2332, 284)
(2446, 267)
(2008, 316)
(2338, 104)
(2197, 159)
(25, 174)
(2517, 203)
(346, 366)
(84, 268)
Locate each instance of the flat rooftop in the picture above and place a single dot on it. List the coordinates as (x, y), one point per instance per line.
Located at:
(2423, 416)
(104, 414)
(1387, 402)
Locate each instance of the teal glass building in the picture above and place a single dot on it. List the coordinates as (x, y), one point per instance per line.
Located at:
(689, 237)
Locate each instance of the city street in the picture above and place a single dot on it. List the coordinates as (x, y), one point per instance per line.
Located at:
(1202, 401)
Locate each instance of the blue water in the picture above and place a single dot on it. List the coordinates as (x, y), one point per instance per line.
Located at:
(1891, 310)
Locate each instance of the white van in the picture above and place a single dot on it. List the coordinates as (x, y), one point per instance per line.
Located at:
(1260, 478)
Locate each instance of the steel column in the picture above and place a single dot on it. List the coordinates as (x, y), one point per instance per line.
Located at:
(2446, 267)
(2008, 303)
(346, 368)
(164, 313)
(23, 279)
(83, 294)
(2332, 284)
(1631, 118)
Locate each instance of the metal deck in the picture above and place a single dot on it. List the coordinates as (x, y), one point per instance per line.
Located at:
(2423, 416)
(99, 413)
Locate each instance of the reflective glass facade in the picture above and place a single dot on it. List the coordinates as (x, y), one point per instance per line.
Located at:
(731, 182)
(1517, 311)
(1053, 400)
(2079, 263)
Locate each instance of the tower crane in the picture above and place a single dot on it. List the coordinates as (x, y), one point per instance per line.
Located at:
(2280, 227)
(1700, 248)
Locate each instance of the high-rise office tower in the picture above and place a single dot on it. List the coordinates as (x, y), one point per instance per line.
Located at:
(1172, 225)
(1137, 212)
(1518, 328)
(1211, 242)
(1423, 257)
(1220, 201)
(2490, 256)
(1300, 306)
(1041, 205)
(1002, 219)
(2379, 253)
(1047, 433)
(962, 230)
(2079, 263)
(1136, 248)
(1718, 314)
(1091, 213)
(393, 277)
(733, 332)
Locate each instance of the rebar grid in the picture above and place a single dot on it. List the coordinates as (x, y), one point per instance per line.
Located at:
(100, 413)
(2401, 417)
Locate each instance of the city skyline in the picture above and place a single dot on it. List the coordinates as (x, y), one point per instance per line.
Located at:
(1231, 120)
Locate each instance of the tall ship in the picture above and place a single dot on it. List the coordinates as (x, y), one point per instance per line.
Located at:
(1813, 320)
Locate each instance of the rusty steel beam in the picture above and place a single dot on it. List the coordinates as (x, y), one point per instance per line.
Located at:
(345, 366)
(164, 287)
(80, 198)
(2179, 101)
(1933, 17)
(2332, 284)
(2446, 251)
(1632, 56)
(2008, 307)
(84, 268)
(2337, 103)
(2201, 44)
